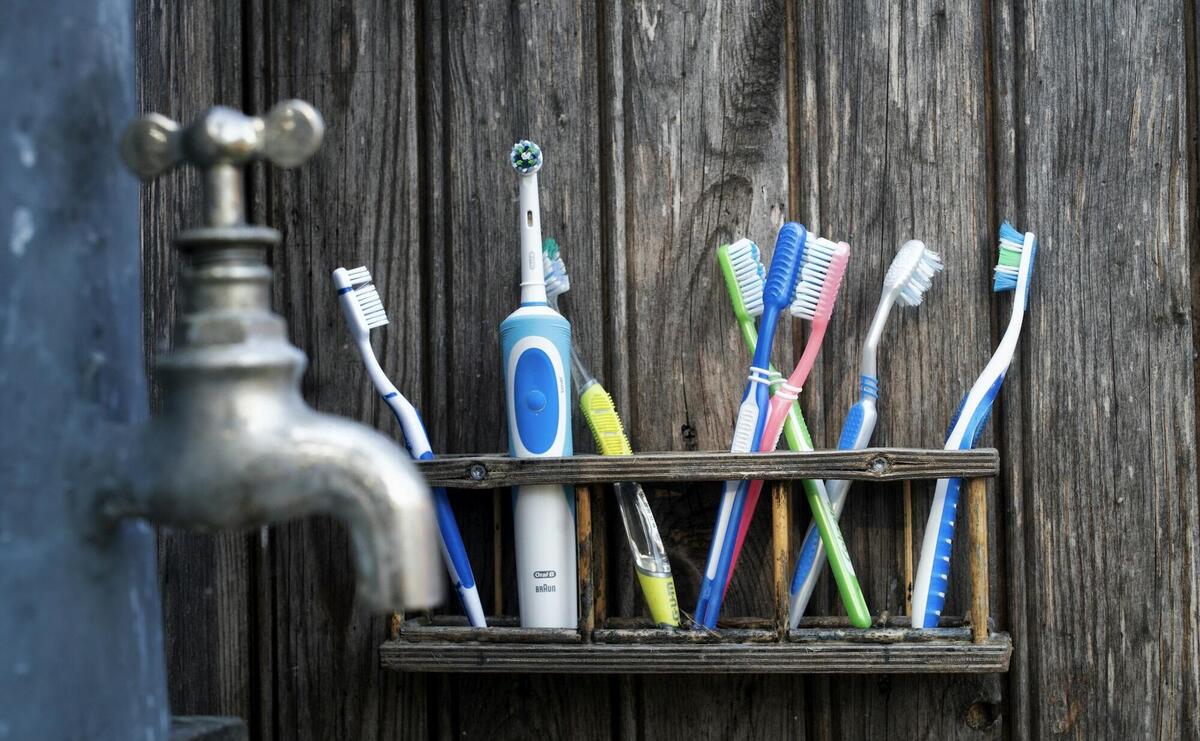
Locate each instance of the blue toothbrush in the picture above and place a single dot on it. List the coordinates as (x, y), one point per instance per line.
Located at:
(777, 295)
(364, 311)
(1013, 273)
(536, 342)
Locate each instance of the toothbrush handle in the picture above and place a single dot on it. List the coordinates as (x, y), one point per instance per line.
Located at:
(536, 344)
(856, 433)
(770, 439)
(933, 570)
(928, 611)
(455, 555)
(744, 431)
(641, 531)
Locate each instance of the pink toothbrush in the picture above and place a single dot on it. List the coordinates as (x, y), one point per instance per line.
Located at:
(816, 293)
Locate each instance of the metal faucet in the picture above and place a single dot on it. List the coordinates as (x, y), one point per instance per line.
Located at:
(235, 446)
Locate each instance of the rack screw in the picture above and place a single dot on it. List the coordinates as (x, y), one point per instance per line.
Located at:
(879, 464)
(477, 472)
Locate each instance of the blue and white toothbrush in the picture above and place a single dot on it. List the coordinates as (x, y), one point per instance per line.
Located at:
(536, 341)
(364, 311)
(752, 414)
(909, 276)
(1014, 270)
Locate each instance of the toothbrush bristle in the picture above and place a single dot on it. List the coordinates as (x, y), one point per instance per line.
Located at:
(526, 157)
(745, 260)
(554, 269)
(913, 270)
(820, 278)
(371, 306)
(359, 276)
(1012, 244)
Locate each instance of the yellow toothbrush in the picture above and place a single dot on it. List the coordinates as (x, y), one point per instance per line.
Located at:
(649, 556)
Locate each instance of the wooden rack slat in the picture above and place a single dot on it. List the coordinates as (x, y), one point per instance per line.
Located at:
(872, 464)
(792, 657)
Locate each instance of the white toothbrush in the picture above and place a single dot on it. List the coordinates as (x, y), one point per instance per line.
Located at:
(364, 311)
(1014, 271)
(907, 279)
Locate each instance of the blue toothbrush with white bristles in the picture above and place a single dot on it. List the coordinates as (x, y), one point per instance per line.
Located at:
(908, 277)
(1014, 270)
(364, 311)
(536, 341)
(752, 414)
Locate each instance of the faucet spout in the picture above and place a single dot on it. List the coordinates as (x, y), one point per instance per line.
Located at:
(218, 473)
(234, 445)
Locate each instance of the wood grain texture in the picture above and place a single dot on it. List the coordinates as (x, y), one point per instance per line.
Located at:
(355, 203)
(891, 111)
(977, 561)
(669, 130)
(871, 464)
(190, 57)
(823, 656)
(1098, 160)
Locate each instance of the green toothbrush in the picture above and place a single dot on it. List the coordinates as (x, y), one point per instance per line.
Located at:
(742, 267)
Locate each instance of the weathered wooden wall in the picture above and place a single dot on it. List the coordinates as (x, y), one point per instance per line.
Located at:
(669, 130)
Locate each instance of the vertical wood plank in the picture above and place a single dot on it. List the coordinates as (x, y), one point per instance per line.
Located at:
(355, 203)
(895, 146)
(673, 707)
(906, 544)
(977, 553)
(1098, 160)
(699, 158)
(781, 552)
(188, 58)
(586, 566)
(496, 73)
(705, 162)
(1003, 105)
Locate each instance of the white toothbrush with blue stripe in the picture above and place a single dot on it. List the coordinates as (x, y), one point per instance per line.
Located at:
(1014, 270)
(907, 279)
(364, 311)
(752, 414)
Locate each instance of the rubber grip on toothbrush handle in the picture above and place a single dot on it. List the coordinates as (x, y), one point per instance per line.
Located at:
(939, 573)
(780, 284)
(933, 570)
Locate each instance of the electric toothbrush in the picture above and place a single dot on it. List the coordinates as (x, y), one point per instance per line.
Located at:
(536, 342)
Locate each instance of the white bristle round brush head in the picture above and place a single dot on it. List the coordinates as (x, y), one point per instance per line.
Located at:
(912, 271)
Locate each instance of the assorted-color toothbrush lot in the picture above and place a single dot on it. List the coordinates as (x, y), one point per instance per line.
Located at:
(805, 276)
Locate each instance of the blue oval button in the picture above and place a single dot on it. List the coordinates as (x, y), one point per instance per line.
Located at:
(535, 400)
(536, 386)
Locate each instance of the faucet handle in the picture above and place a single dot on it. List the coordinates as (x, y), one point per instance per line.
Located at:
(287, 136)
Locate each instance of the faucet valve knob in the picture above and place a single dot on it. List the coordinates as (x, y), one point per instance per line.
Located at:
(219, 143)
(287, 136)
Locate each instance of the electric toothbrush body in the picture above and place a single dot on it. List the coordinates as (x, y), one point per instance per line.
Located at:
(536, 345)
